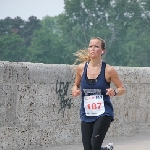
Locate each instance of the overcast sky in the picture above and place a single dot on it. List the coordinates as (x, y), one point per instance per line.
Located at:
(27, 8)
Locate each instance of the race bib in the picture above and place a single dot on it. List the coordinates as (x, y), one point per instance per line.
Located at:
(94, 105)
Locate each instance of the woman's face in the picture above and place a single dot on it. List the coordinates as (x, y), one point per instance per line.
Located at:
(94, 49)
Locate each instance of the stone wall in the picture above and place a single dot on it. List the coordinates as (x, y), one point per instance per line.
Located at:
(38, 111)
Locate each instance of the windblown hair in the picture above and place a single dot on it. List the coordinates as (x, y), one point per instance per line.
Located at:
(82, 54)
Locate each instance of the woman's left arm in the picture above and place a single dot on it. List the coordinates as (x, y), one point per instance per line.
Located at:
(113, 77)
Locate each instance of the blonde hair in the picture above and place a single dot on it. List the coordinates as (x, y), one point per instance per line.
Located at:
(82, 54)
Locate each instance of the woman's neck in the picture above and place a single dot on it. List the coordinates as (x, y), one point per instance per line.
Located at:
(95, 63)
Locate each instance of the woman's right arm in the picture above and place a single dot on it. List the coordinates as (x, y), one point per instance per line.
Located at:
(76, 86)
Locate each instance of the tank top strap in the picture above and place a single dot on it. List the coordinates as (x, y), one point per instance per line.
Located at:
(103, 69)
(85, 67)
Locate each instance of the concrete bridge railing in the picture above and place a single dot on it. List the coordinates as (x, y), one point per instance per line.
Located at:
(38, 111)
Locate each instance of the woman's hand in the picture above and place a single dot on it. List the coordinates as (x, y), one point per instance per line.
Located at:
(75, 92)
(110, 92)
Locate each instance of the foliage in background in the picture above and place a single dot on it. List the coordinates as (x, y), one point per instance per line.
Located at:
(12, 48)
(124, 25)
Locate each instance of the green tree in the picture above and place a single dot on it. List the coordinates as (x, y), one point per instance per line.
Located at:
(130, 28)
(113, 20)
(47, 44)
(12, 48)
(84, 19)
(9, 25)
(20, 32)
(28, 29)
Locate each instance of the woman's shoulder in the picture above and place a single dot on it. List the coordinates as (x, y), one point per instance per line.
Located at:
(81, 65)
(109, 68)
(80, 68)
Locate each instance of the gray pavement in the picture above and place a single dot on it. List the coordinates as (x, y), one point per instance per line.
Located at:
(136, 142)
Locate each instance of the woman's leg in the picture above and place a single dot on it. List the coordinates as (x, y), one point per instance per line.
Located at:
(100, 129)
(87, 131)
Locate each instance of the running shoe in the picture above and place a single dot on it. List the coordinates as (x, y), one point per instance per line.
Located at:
(110, 146)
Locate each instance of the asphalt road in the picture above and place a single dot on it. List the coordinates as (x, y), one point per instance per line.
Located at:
(136, 142)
